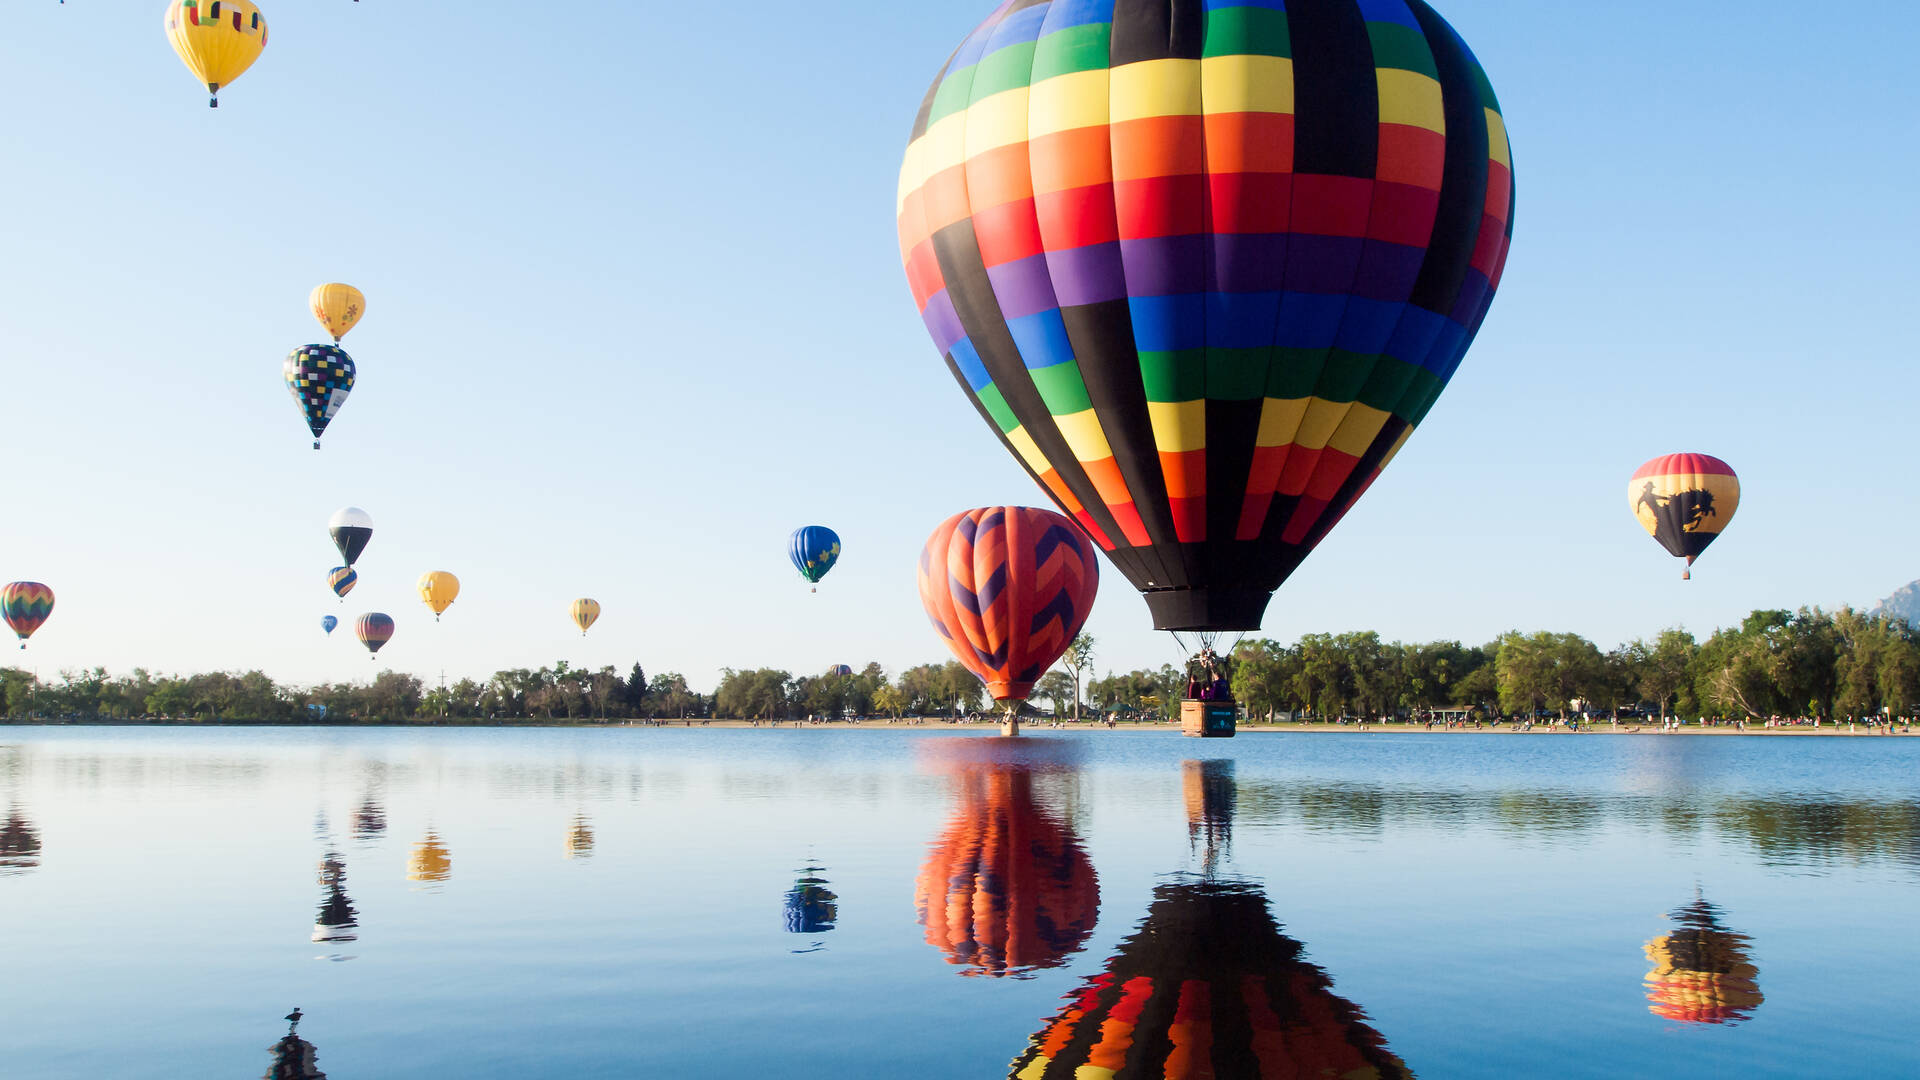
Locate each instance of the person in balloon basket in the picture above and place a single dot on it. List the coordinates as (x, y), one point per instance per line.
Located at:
(1207, 677)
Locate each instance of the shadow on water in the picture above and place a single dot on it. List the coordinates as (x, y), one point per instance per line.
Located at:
(1702, 973)
(293, 1056)
(1208, 985)
(1007, 887)
(19, 843)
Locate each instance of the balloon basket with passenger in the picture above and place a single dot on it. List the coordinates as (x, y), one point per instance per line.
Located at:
(1208, 711)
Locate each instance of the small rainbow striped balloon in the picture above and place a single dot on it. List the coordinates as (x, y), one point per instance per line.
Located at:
(341, 580)
(374, 629)
(25, 605)
(1684, 501)
(1008, 587)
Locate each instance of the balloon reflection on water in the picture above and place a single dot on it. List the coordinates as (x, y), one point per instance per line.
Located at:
(579, 839)
(337, 920)
(811, 907)
(19, 844)
(1702, 973)
(294, 1058)
(430, 862)
(1007, 887)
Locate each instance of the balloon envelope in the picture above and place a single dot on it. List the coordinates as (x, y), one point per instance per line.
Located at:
(26, 606)
(217, 41)
(328, 622)
(1008, 587)
(585, 611)
(814, 548)
(320, 377)
(374, 629)
(341, 580)
(1202, 268)
(338, 307)
(438, 588)
(351, 528)
(1684, 501)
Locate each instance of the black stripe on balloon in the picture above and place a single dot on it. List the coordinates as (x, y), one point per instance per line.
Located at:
(1232, 429)
(1463, 184)
(1157, 30)
(926, 103)
(971, 291)
(1102, 338)
(1335, 91)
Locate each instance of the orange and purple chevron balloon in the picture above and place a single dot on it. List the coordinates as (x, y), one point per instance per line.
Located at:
(25, 605)
(1008, 587)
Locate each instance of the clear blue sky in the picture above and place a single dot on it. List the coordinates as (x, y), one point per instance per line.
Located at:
(635, 312)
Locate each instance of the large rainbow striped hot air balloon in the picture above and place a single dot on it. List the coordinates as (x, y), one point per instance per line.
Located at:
(1684, 501)
(1007, 888)
(374, 629)
(26, 606)
(1008, 587)
(1203, 267)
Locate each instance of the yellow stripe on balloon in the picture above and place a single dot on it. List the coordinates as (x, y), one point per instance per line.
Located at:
(1241, 84)
(1067, 102)
(1410, 98)
(1156, 88)
(1178, 426)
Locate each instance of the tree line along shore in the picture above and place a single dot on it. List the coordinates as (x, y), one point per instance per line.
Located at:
(1777, 670)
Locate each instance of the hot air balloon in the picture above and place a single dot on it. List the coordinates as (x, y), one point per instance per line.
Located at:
(1007, 888)
(1683, 501)
(1008, 587)
(374, 630)
(814, 548)
(430, 862)
(1202, 268)
(338, 307)
(25, 605)
(216, 39)
(840, 671)
(1701, 973)
(328, 622)
(341, 579)
(1208, 986)
(811, 907)
(585, 611)
(438, 589)
(351, 528)
(320, 377)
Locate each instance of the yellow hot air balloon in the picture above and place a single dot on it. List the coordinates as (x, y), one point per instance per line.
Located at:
(338, 307)
(216, 39)
(584, 613)
(438, 588)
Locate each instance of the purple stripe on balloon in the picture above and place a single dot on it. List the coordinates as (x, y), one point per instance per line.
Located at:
(1087, 275)
(1248, 262)
(1165, 265)
(1472, 291)
(1322, 264)
(942, 321)
(1388, 271)
(1023, 286)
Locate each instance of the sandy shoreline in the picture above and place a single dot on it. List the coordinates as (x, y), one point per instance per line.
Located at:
(1825, 730)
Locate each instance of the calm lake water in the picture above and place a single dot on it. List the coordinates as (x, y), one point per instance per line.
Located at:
(636, 902)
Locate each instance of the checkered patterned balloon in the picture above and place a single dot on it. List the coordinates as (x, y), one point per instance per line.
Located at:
(1203, 265)
(1008, 587)
(319, 377)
